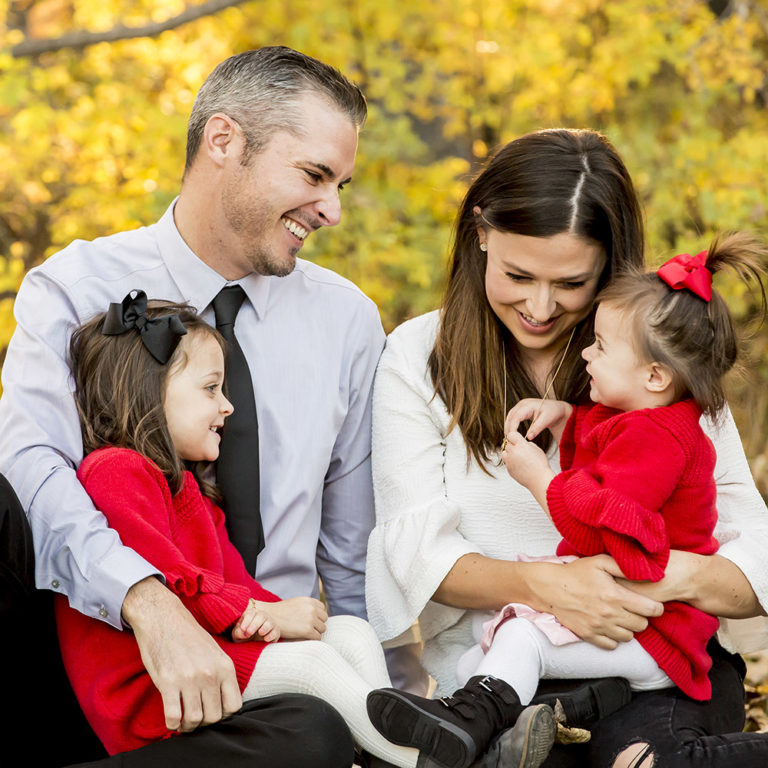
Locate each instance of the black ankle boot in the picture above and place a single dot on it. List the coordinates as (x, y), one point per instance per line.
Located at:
(451, 731)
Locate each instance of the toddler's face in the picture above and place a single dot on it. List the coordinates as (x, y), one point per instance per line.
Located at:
(195, 406)
(618, 378)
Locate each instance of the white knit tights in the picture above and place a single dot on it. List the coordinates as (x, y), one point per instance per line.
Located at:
(342, 668)
(521, 654)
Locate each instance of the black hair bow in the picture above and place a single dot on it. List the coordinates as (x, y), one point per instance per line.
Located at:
(160, 335)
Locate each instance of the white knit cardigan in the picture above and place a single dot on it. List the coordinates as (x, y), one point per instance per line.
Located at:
(433, 507)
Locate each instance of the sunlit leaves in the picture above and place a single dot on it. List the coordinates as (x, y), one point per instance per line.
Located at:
(92, 141)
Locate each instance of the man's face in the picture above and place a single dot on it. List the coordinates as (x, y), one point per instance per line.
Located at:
(288, 190)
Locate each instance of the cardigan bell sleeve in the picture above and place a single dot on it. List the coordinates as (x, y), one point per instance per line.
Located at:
(742, 530)
(416, 541)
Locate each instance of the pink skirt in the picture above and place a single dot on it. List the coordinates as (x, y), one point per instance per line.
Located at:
(546, 622)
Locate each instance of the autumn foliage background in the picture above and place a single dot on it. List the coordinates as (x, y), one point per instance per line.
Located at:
(92, 136)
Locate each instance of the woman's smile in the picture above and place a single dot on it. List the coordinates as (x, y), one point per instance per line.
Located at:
(540, 287)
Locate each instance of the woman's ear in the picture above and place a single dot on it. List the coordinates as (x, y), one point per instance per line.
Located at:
(658, 377)
(481, 234)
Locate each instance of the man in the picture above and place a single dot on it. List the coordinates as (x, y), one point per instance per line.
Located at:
(271, 143)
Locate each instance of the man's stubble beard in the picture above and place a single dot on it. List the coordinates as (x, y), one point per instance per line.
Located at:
(245, 224)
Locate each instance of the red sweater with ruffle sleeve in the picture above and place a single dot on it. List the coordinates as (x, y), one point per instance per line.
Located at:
(183, 537)
(635, 485)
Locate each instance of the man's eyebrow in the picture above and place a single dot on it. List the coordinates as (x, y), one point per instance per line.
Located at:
(326, 171)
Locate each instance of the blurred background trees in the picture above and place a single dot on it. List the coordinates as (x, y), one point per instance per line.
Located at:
(92, 133)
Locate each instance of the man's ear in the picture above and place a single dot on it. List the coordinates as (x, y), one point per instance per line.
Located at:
(222, 137)
(658, 377)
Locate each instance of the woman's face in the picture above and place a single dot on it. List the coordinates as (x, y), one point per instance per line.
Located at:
(541, 287)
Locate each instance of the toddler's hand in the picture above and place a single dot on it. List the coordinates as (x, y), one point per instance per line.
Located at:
(543, 414)
(525, 461)
(256, 624)
(299, 618)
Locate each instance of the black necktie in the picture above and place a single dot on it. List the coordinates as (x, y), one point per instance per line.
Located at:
(237, 469)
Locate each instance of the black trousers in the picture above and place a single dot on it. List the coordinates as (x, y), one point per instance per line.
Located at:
(43, 720)
(279, 731)
(681, 732)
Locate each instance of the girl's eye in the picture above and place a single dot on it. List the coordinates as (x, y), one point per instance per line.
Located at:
(314, 177)
(212, 388)
(517, 278)
(574, 285)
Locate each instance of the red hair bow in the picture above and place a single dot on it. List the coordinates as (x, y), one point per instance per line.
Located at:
(686, 271)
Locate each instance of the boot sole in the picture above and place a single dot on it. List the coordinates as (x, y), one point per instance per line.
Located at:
(400, 721)
(528, 743)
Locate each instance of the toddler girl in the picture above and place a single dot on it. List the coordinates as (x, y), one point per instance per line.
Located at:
(636, 481)
(149, 392)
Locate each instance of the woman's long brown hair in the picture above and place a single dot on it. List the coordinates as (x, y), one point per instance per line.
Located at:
(539, 185)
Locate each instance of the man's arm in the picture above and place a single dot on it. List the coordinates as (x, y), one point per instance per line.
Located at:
(196, 679)
(40, 445)
(76, 553)
(348, 513)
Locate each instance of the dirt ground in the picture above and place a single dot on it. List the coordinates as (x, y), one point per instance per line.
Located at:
(757, 691)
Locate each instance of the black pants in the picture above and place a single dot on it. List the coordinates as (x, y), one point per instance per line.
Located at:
(44, 722)
(681, 732)
(279, 731)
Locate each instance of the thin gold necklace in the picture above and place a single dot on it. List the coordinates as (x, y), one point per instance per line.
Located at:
(549, 386)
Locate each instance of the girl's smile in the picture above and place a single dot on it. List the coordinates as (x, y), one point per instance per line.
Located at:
(195, 406)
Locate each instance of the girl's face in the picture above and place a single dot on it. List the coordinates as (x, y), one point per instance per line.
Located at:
(618, 378)
(541, 287)
(195, 407)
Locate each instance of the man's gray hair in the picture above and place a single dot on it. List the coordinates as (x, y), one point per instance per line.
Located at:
(261, 90)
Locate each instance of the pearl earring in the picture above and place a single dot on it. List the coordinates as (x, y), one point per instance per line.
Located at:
(483, 247)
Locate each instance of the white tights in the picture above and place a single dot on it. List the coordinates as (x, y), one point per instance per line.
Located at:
(521, 655)
(341, 668)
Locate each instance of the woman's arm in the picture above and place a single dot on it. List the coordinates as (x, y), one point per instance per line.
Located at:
(733, 583)
(418, 552)
(711, 583)
(416, 540)
(583, 594)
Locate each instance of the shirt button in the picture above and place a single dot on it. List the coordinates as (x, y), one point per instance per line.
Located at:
(55, 584)
(103, 612)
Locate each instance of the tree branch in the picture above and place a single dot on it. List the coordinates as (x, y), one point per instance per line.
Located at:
(82, 39)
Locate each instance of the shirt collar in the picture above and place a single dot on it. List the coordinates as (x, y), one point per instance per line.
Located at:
(196, 281)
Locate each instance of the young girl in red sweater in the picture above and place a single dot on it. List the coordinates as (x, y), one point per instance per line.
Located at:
(636, 481)
(149, 391)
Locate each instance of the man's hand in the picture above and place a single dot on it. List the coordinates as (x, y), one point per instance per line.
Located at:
(585, 597)
(196, 679)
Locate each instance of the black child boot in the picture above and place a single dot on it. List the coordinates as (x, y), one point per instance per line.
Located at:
(455, 730)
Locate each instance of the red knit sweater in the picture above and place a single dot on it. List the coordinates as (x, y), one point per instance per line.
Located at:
(636, 485)
(185, 538)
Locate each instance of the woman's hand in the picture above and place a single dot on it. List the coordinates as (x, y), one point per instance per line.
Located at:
(255, 624)
(298, 618)
(585, 596)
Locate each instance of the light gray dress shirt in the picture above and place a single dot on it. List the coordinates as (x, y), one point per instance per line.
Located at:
(312, 341)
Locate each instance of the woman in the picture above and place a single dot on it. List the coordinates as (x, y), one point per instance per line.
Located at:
(547, 223)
